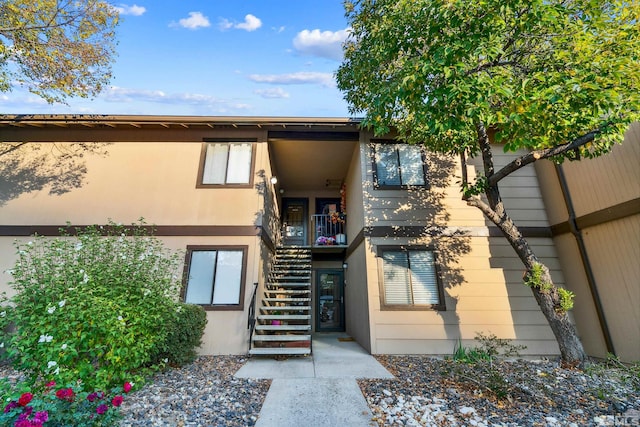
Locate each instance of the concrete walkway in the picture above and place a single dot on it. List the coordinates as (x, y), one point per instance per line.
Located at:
(320, 390)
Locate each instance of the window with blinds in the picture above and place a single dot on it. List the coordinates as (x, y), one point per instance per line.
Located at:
(409, 278)
(398, 165)
(215, 276)
(226, 164)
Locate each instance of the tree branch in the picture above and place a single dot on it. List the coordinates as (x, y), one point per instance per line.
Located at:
(541, 154)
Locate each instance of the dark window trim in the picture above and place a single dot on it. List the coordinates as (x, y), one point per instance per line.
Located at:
(243, 275)
(409, 307)
(203, 158)
(377, 186)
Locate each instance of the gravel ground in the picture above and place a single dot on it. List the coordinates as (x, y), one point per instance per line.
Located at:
(426, 392)
(435, 392)
(204, 393)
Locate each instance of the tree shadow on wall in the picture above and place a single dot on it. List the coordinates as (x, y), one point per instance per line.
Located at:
(27, 167)
(419, 216)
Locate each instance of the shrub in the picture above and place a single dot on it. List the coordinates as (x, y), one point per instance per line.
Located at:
(184, 335)
(91, 308)
(60, 406)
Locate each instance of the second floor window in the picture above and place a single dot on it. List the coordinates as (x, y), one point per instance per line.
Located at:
(398, 166)
(226, 164)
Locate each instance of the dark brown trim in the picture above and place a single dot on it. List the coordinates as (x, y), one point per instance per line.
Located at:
(355, 243)
(243, 275)
(409, 307)
(420, 231)
(203, 157)
(314, 135)
(602, 216)
(156, 230)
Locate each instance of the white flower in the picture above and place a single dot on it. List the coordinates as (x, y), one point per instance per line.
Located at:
(45, 338)
(56, 372)
(30, 243)
(1, 345)
(51, 364)
(120, 318)
(85, 278)
(9, 272)
(3, 313)
(78, 246)
(63, 347)
(50, 310)
(62, 303)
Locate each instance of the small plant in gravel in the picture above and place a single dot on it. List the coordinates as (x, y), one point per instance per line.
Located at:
(93, 308)
(485, 374)
(23, 406)
(612, 367)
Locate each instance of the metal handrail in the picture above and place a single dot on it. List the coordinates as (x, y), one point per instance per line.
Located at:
(251, 320)
(331, 226)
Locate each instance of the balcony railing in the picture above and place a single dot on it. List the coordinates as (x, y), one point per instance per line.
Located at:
(329, 229)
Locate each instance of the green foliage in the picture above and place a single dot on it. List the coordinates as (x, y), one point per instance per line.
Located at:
(535, 73)
(469, 355)
(612, 367)
(57, 49)
(498, 347)
(184, 335)
(60, 406)
(92, 308)
(566, 299)
(535, 278)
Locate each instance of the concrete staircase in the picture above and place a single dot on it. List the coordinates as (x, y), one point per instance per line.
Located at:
(284, 318)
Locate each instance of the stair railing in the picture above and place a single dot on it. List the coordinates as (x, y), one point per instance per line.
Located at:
(251, 320)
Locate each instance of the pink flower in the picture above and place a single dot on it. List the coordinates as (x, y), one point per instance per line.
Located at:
(50, 384)
(65, 394)
(25, 399)
(93, 396)
(127, 387)
(10, 406)
(116, 401)
(102, 409)
(41, 417)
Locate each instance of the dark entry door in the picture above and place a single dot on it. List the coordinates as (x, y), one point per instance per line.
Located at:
(330, 300)
(294, 221)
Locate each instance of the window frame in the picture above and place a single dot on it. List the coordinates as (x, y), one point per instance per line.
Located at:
(441, 306)
(243, 276)
(229, 141)
(376, 183)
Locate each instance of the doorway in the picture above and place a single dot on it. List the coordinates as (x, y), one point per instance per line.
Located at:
(294, 221)
(329, 301)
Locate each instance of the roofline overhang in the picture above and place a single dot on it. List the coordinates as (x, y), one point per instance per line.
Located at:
(141, 121)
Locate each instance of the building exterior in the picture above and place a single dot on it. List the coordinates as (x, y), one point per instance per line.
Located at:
(300, 225)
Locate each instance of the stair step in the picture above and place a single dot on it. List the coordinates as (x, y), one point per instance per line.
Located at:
(284, 317)
(286, 299)
(290, 284)
(287, 291)
(283, 327)
(305, 337)
(280, 350)
(286, 307)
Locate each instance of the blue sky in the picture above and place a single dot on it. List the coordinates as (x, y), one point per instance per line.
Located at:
(217, 57)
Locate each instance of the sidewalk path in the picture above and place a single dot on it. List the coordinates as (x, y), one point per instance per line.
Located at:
(320, 390)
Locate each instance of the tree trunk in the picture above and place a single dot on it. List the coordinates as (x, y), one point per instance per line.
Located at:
(545, 292)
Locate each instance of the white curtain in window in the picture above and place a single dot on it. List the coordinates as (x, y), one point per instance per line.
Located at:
(215, 164)
(386, 158)
(228, 276)
(201, 273)
(396, 278)
(411, 164)
(239, 168)
(423, 277)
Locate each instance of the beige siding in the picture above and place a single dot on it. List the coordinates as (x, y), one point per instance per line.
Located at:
(612, 248)
(356, 300)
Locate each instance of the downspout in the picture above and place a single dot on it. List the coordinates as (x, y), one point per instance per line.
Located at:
(586, 264)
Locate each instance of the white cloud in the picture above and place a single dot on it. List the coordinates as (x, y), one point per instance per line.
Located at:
(135, 10)
(326, 44)
(120, 94)
(272, 93)
(278, 29)
(300, 78)
(193, 22)
(251, 23)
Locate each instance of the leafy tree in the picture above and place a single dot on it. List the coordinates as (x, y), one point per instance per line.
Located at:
(559, 79)
(57, 49)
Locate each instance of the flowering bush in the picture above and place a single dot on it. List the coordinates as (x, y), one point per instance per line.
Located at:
(322, 240)
(92, 308)
(62, 407)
